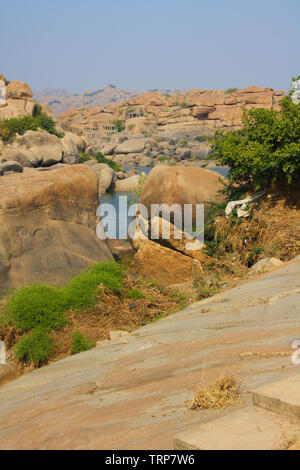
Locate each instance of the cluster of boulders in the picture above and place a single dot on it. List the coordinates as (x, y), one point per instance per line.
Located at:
(145, 151)
(176, 258)
(33, 148)
(110, 180)
(39, 149)
(197, 112)
(16, 99)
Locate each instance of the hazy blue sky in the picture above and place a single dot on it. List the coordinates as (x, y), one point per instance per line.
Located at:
(143, 44)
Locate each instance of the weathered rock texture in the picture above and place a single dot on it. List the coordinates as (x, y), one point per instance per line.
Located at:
(131, 394)
(34, 148)
(154, 261)
(47, 225)
(199, 112)
(180, 185)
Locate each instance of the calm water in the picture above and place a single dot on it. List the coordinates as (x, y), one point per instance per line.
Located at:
(121, 207)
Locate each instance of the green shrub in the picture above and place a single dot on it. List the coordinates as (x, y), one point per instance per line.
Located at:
(37, 110)
(80, 343)
(10, 127)
(201, 138)
(135, 294)
(265, 151)
(81, 292)
(229, 91)
(102, 159)
(37, 306)
(84, 157)
(35, 347)
(119, 125)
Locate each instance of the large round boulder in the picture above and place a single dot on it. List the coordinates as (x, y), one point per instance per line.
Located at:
(70, 152)
(23, 156)
(127, 184)
(18, 90)
(131, 146)
(106, 176)
(46, 147)
(48, 226)
(180, 185)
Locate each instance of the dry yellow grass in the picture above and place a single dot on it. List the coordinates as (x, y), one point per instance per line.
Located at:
(273, 229)
(224, 392)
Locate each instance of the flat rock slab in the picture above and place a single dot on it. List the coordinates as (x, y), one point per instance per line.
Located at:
(245, 429)
(282, 397)
(131, 394)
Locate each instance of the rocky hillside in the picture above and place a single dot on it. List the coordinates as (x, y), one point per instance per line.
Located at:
(198, 112)
(63, 100)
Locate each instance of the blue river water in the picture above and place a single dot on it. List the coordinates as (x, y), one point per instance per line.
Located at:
(121, 207)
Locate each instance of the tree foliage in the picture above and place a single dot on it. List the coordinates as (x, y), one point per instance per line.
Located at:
(267, 148)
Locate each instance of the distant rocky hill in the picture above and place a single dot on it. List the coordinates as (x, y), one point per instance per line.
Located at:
(62, 100)
(192, 113)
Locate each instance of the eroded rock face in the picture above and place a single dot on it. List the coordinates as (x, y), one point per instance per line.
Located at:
(199, 112)
(48, 225)
(127, 184)
(106, 176)
(18, 90)
(154, 261)
(131, 146)
(46, 149)
(18, 100)
(180, 185)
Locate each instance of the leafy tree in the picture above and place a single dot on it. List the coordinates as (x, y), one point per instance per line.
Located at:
(265, 151)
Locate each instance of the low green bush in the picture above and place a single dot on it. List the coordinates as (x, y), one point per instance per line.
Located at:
(35, 347)
(102, 159)
(81, 292)
(201, 138)
(84, 157)
(42, 306)
(119, 125)
(10, 127)
(37, 306)
(229, 91)
(79, 343)
(135, 294)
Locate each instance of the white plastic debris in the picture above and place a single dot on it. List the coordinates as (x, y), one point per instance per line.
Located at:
(2, 353)
(243, 210)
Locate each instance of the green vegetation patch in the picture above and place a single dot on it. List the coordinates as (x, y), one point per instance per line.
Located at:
(229, 91)
(80, 343)
(39, 120)
(265, 151)
(37, 306)
(119, 125)
(84, 157)
(35, 347)
(135, 294)
(81, 292)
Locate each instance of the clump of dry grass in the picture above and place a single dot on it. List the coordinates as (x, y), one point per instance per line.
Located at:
(224, 392)
(273, 229)
(286, 441)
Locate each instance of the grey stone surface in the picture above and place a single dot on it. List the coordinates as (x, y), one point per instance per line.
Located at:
(130, 395)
